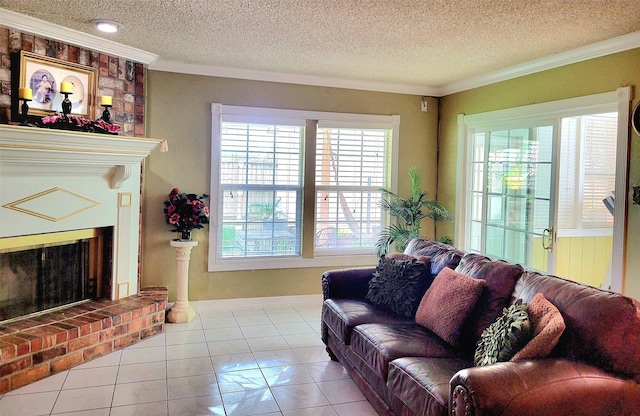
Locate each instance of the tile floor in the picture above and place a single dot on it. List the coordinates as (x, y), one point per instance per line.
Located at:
(228, 361)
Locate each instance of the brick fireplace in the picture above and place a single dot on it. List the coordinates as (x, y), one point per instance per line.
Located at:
(61, 182)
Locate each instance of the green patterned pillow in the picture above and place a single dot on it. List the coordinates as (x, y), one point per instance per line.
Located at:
(505, 337)
(398, 285)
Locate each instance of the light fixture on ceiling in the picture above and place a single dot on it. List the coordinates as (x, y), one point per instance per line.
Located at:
(107, 26)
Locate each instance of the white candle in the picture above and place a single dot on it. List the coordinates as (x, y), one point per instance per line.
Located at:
(66, 87)
(106, 100)
(25, 93)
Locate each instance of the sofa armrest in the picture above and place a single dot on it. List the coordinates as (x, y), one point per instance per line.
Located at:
(556, 387)
(347, 283)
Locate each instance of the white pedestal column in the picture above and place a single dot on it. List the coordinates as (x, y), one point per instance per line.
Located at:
(181, 311)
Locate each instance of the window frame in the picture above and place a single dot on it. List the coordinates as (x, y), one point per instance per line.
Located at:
(308, 257)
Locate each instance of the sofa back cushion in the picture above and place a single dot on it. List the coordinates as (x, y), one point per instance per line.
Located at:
(442, 255)
(602, 328)
(501, 278)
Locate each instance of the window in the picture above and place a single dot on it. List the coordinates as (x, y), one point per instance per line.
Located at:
(350, 170)
(587, 172)
(258, 187)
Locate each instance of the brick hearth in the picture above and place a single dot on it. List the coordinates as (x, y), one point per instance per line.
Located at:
(37, 347)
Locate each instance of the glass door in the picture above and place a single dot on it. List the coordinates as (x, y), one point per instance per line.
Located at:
(511, 203)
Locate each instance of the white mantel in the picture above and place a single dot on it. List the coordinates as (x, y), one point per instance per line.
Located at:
(55, 180)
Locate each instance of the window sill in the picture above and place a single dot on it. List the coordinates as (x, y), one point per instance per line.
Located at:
(265, 263)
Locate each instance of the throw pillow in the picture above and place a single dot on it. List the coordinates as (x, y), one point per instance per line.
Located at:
(447, 303)
(398, 285)
(548, 326)
(504, 338)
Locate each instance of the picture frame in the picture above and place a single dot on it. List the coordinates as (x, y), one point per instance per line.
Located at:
(44, 76)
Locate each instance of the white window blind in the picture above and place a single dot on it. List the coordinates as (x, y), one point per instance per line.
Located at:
(599, 168)
(587, 170)
(568, 183)
(260, 188)
(352, 164)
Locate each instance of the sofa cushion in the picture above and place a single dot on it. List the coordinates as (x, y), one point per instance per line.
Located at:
(505, 337)
(547, 327)
(342, 315)
(442, 255)
(602, 328)
(448, 302)
(398, 285)
(378, 344)
(501, 278)
(422, 383)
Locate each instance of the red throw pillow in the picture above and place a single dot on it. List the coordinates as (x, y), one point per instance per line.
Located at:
(548, 325)
(448, 302)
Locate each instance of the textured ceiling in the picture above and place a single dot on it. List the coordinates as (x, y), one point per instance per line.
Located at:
(429, 43)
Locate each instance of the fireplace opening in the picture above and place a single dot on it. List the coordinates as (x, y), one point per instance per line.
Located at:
(47, 271)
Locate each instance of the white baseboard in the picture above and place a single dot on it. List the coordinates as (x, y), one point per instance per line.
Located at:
(258, 302)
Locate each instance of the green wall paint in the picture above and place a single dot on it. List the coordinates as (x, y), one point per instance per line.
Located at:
(595, 76)
(179, 110)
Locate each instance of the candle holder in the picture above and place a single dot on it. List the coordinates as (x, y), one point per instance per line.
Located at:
(24, 110)
(106, 115)
(66, 104)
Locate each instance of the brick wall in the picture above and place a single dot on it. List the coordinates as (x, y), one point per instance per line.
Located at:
(120, 78)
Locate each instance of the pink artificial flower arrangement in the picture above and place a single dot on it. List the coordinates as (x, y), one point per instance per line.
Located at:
(185, 212)
(78, 123)
(111, 128)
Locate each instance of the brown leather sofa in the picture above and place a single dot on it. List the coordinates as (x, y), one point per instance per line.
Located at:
(405, 369)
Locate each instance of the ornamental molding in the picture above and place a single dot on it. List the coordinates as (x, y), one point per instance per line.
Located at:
(34, 151)
(50, 30)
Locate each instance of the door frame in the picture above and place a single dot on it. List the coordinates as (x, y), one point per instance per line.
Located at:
(619, 100)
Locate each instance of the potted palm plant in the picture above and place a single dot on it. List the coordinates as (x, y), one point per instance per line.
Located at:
(410, 213)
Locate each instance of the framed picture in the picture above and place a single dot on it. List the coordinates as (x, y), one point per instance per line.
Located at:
(44, 75)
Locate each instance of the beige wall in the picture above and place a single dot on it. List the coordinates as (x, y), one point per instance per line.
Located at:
(179, 110)
(590, 77)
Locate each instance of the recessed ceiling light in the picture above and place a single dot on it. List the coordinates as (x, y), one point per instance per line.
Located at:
(108, 26)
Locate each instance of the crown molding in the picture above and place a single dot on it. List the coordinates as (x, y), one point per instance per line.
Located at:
(43, 28)
(237, 73)
(595, 50)
(49, 30)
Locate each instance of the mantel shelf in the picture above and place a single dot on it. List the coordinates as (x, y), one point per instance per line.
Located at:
(33, 151)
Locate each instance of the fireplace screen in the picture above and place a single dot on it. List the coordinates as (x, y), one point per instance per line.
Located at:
(42, 278)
